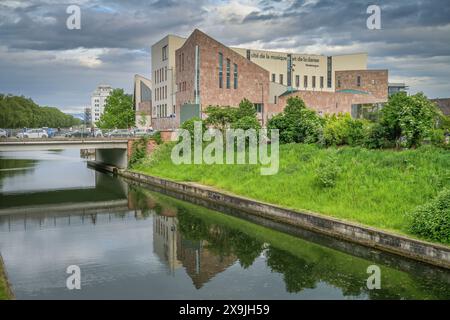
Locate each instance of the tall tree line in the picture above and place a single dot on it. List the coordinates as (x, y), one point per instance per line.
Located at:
(21, 112)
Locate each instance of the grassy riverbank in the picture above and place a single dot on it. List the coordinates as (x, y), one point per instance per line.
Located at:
(375, 188)
(4, 290)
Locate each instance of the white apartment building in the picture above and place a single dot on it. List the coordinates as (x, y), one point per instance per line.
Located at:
(98, 102)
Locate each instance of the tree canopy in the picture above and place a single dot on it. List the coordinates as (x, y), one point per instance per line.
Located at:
(119, 112)
(21, 112)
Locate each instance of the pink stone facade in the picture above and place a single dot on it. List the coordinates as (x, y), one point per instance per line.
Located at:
(372, 89)
(253, 81)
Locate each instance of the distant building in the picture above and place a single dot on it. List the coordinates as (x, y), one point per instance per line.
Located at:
(142, 101)
(87, 116)
(443, 104)
(397, 87)
(98, 102)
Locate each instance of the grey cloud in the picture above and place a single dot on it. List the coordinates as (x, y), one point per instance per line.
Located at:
(414, 42)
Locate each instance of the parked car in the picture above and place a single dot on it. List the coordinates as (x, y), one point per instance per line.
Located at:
(98, 133)
(120, 133)
(77, 134)
(143, 132)
(33, 134)
(50, 132)
(3, 134)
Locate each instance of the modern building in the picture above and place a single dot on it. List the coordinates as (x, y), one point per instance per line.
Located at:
(206, 72)
(396, 87)
(142, 101)
(164, 82)
(98, 102)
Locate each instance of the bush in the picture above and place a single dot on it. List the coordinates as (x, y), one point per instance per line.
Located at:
(409, 119)
(246, 123)
(297, 124)
(327, 173)
(437, 138)
(376, 137)
(432, 220)
(343, 130)
(220, 117)
(189, 125)
(138, 152)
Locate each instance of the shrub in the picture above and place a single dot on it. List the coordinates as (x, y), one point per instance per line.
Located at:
(437, 138)
(408, 119)
(189, 125)
(157, 137)
(220, 117)
(343, 130)
(432, 220)
(246, 123)
(138, 152)
(376, 137)
(246, 109)
(327, 173)
(297, 124)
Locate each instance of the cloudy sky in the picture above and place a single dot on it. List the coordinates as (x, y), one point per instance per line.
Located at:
(42, 59)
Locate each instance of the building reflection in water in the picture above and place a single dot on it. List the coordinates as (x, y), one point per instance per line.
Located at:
(193, 255)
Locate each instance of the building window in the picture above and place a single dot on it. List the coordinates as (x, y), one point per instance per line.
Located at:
(258, 107)
(164, 53)
(228, 73)
(165, 73)
(220, 70)
(329, 71)
(273, 77)
(235, 76)
(289, 70)
(275, 99)
(305, 81)
(297, 81)
(182, 62)
(281, 79)
(339, 82)
(321, 82)
(358, 81)
(314, 81)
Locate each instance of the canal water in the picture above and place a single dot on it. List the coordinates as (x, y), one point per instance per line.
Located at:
(134, 242)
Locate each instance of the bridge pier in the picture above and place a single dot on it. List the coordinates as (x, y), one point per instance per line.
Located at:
(113, 157)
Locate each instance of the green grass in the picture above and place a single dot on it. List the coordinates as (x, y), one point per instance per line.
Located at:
(374, 187)
(4, 292)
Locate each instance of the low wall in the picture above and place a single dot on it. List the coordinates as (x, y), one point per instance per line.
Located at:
(435, 254)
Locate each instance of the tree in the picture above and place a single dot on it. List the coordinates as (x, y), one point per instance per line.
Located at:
(142, 119)
(409, 119)
(246, 109)
(119, 111)
(297, 123)
(20, 112)
(220, 117)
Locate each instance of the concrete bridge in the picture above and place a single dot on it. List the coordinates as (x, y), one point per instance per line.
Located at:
(107, 151)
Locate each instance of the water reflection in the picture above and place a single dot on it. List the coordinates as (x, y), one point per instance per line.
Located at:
(134, 243)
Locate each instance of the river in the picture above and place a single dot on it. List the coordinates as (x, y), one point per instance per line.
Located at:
(137, 242)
